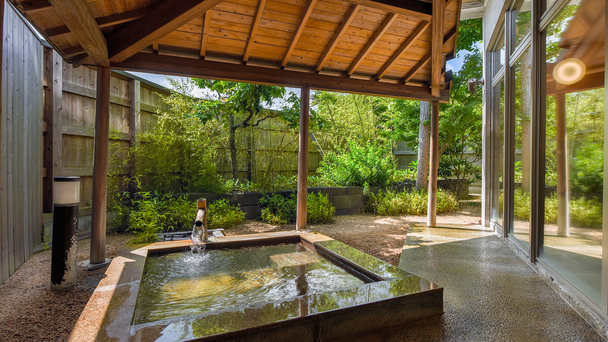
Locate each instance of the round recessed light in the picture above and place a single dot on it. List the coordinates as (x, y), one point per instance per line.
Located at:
(569, 71)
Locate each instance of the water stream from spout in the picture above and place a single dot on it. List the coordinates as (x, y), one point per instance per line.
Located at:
(197, 237)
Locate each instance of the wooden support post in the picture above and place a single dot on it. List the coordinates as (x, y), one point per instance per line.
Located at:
(301, 215)
(433, 166)
(100, 166)
(562, 165)
(53, 78)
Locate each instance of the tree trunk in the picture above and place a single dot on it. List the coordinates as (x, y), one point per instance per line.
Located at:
(232, 142)
(422, 174)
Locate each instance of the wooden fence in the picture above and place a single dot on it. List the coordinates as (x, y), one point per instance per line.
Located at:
(21, 141)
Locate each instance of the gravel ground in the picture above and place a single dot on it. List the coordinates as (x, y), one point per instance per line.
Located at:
(31, 312)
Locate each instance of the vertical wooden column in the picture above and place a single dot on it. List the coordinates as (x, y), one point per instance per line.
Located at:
(301, 214)
(100, 166)
(562, 165)
(53, 78)
(433, 166)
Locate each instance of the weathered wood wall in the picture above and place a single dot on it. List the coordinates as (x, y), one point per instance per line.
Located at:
(133, 106)
(21, 143)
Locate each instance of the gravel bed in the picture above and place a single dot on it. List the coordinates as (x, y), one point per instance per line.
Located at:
(31, 312)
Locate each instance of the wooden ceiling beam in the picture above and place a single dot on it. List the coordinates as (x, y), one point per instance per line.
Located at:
(254, 30)
(349, 18)
(163, 18)
(296, 37)
(205, 34)
(147, 62)
(406, 45)
(114, 19)
(425, 60)
(33, 6)
(437, 45)
(77, 17)
(372, 42)
(413, 8)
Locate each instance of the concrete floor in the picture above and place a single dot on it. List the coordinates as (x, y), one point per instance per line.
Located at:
(490, 294)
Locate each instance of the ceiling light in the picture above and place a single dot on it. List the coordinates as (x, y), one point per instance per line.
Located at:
(569, 71)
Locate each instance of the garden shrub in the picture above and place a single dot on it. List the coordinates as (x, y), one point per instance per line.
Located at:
(318, 208)
(146, 219)
(409, 202)
(221, 214)
(179, 213)
(277, 209)
(583, 213)
(371, 164)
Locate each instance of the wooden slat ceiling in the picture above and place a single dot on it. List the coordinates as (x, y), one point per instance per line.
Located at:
(379, 47)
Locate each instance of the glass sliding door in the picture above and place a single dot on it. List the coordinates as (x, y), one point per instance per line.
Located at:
(575, 145)
(522, 144)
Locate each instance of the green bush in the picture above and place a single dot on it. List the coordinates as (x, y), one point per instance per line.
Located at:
(318, 208)
(277, 209)
(583, 213)
(224, 215)
(409, 202)
(179, 213)
(146, 219)
(371, 164)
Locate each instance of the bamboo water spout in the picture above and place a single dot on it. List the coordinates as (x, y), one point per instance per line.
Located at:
(199, 231)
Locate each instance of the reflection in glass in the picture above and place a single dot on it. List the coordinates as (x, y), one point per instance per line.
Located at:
(523, 111)
(499, 154)
(523, 22)
(575, 148)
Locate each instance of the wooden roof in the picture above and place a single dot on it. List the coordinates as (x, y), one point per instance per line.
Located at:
(380, 47)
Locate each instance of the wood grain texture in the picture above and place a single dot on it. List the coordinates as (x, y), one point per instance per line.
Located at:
(433, 165)
(301, 210)
(164, 17)
(339, 34)
(260, 75)
(404, 47)
(254, 30)
(437, 45)
(372, 42)
(296, 37)
(77, 17)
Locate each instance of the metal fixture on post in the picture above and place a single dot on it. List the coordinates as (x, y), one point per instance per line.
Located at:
(66, 198)
(472, 84)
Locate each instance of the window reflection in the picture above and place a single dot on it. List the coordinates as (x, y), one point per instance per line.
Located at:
(523, 111)
(575, 148)
(523, 21)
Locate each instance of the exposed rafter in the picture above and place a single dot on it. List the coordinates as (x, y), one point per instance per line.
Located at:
(102, 22)
(254, 30)
(205, 34)
(155, 47)
(296, 37)
(147, 62)
(406, 45)
(372, 42)
(164, 17)
(349, 18)
(33, 6)
(437, 45)
(413, 8)
(425, 60)
(76, 15)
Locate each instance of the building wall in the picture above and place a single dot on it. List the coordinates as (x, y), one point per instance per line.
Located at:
(21, 144)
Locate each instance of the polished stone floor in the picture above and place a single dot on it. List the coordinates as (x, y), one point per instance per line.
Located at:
(490, 294)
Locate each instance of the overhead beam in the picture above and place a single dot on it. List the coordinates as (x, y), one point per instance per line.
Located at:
(437, 45)
(114, 19)
(349, 18)
(254, 30)
(147, 62)
(33, 6)
(77, 17)
(372, 42)
(163, 18)
(204, 35)
(296, 37)
(406, 45)
(412, 8)
(425, 60)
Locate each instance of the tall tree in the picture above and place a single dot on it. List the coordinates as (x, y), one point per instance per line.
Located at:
(242, 105)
